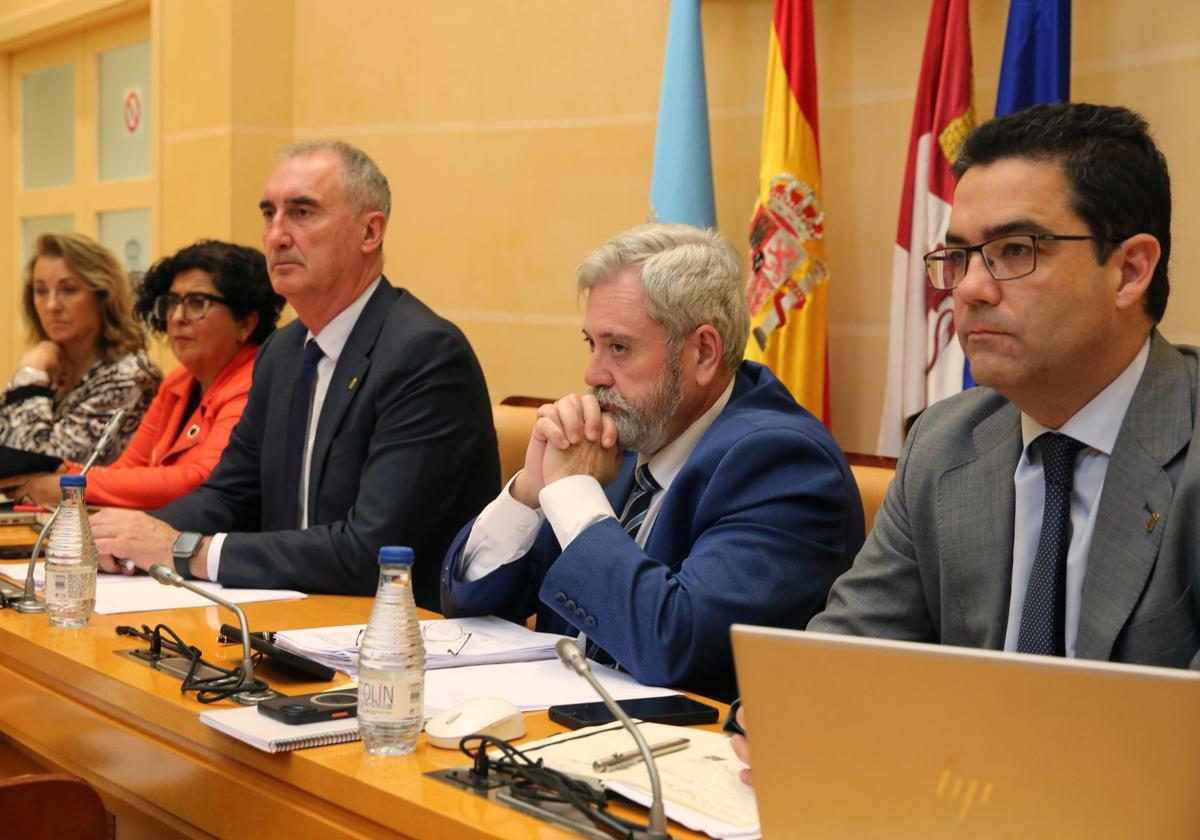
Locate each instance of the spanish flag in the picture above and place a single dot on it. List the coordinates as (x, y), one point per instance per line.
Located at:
(787, 293)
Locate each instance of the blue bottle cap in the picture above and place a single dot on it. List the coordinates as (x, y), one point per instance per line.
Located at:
(73, 481)
(395, 555)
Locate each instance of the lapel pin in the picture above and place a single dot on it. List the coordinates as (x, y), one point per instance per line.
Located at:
(1152, 521)
(193, 430)
(353, 383)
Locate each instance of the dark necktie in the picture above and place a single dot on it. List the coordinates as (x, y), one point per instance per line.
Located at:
(297, 425)
(636, 508)
(639, 500)
(1043, 617)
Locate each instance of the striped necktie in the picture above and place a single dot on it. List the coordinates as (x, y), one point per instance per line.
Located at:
(636, 509)
(639, 500)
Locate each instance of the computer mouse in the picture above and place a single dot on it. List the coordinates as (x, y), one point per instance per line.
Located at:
(478, 716)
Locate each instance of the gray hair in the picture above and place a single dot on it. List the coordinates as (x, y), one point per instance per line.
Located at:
(364, 184)
(690, 276)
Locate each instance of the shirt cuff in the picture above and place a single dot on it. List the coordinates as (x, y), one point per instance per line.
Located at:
(572, 505)
(503, 532)
(213, 560)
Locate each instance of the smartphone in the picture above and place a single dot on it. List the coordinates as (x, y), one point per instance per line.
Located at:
(675, 709)
(283, 660)
(312, 708)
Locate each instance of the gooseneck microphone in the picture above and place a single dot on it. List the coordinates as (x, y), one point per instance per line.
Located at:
(573, 658)
(246, 683)
(29, 602)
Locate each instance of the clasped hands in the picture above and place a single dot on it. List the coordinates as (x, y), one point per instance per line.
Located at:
(573, 436)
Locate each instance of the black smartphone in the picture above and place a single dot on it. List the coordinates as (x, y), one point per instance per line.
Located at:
(675, 708)
(284, 660)
(312, 708)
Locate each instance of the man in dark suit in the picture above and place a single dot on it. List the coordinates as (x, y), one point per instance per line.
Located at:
(1053, 510)
(742, 509)
(368, 422)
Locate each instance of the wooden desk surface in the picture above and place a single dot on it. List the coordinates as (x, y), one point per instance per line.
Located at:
(69, 700)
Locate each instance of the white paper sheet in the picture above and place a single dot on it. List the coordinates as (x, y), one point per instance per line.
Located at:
(530, 686)
(137, 593)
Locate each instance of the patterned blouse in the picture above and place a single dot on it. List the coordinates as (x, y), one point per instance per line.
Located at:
(68, 424)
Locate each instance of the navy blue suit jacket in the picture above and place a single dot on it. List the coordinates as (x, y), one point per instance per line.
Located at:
(758, 523)
(404, 453)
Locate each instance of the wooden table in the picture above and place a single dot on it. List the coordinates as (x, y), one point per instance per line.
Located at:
(69, 701)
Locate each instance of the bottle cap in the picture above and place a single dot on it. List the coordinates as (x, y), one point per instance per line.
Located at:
(393, 555)
(73, 481)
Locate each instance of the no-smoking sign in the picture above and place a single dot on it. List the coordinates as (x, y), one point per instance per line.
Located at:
(132, 110)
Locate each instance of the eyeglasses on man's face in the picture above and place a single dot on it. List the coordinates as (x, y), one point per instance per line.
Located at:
(1006, 257)
(195, 305)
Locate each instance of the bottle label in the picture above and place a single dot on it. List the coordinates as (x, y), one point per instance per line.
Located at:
(390, 696)
(67, 587)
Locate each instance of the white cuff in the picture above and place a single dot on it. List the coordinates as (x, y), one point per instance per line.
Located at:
(573, 504)
(213, 560)
(503, 532)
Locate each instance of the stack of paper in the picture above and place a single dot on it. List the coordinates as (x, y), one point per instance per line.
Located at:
(700, 784)
(449, 643)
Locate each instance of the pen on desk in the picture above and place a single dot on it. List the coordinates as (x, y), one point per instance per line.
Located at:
(619, 761)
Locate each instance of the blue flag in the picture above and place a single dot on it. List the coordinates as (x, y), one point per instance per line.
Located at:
(1036, 66)
(681, 188)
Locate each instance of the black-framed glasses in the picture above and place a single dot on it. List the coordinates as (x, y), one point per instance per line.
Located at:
(1006, 257)
(195, 305)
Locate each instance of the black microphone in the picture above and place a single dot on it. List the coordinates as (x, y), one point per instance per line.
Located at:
(29, 602)
(168, 576)
(573, 658)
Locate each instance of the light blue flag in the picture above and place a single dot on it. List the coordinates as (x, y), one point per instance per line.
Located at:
(681, 188)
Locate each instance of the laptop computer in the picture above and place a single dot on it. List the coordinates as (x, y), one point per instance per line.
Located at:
(854, 737)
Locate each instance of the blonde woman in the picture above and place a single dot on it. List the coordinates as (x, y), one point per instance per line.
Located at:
(88, 357)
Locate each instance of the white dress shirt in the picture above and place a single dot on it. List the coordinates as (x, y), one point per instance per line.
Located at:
(332, 341)
(1096, 425)
(506, 529)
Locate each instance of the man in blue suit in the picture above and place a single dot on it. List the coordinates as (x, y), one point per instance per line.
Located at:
(686, 492)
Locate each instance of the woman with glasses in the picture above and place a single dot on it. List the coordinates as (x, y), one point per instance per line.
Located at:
(88, 357)
(214, 302)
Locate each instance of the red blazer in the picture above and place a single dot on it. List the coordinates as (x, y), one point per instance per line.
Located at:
(167, 457)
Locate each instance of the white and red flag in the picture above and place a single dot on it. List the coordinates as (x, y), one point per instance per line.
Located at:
(925, 362)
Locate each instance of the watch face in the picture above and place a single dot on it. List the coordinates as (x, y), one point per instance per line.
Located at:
(186, 544)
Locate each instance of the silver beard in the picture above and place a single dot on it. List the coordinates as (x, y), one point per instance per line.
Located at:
(643, 428)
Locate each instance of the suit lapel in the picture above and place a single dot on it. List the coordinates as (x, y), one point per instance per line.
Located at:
(974, 515)
(347, 380)
(1157, 426)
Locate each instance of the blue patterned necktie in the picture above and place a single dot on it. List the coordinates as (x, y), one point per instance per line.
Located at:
(639, 500)
(636, 508)
(299, 414)
(1043, 617)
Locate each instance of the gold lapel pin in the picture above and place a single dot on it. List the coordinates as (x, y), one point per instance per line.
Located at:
(353, 383)
(1152, 521)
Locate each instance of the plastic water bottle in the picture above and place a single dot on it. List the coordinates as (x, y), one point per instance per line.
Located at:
(391, 661)
(71, 559)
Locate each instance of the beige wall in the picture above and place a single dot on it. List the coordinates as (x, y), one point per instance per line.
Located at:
(517, 135)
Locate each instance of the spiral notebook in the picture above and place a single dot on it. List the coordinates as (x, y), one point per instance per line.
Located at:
(250, 726)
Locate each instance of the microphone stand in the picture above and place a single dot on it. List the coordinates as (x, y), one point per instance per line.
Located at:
(29, 603)
(574, 659)
(245, 688)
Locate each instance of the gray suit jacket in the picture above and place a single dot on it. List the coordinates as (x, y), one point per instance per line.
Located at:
(937, 565)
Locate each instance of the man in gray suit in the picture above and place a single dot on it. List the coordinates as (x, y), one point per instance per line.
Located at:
(1053, 510)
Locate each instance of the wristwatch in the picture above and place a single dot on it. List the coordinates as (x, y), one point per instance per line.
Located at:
(186, 545)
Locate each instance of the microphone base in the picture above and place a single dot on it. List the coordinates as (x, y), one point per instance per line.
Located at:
(29, 606)
(253, 698)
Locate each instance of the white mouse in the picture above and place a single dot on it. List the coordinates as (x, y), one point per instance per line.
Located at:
(478, 716)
